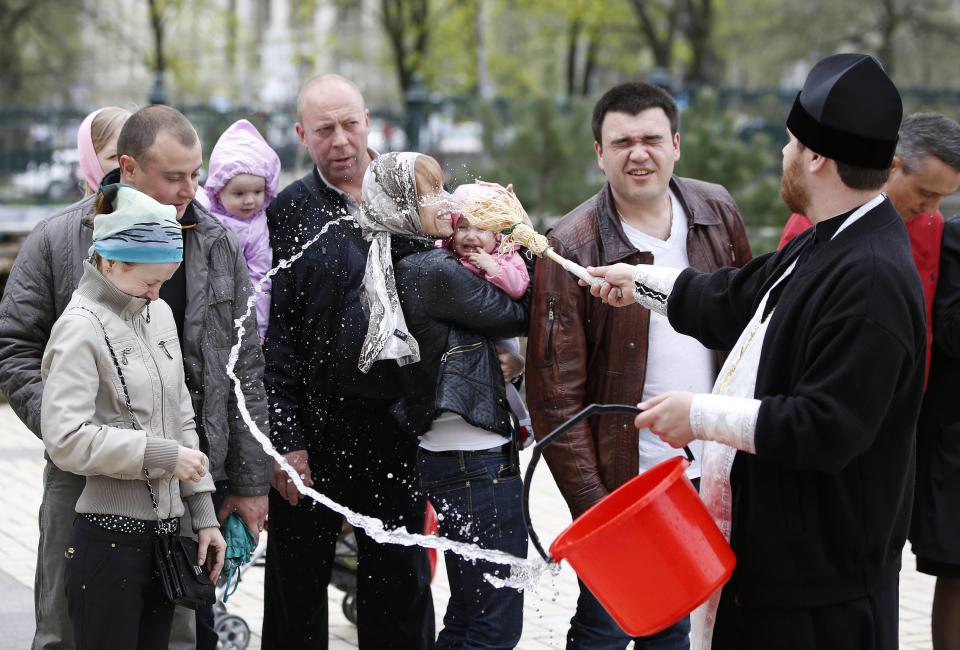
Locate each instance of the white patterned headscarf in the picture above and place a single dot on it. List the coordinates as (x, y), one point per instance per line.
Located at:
(388, 206)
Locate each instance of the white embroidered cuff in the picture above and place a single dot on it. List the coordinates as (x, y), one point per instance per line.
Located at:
(652, 286)
(731, 421)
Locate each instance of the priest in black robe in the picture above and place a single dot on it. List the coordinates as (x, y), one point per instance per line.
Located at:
(809, 458)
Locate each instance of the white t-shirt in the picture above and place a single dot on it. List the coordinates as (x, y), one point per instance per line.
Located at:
(451, 432)
(674, 361)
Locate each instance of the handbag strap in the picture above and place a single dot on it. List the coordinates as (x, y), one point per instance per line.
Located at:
(162, 526)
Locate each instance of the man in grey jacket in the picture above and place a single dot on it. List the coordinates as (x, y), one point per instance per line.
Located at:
(160, 154)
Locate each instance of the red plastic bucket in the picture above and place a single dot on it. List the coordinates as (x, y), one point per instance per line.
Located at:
(649, 551)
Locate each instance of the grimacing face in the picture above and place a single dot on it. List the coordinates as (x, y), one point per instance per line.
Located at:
(637, 155)
(467, 238)
(435, 208)
(169, 172)
(334, 126)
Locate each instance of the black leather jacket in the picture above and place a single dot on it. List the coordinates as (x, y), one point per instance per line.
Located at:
(455, 317)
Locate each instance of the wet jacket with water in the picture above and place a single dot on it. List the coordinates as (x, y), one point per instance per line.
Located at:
(317, 324)
(42, 282)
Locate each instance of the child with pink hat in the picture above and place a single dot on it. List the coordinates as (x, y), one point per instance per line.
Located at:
(477, 251)
(243, 176)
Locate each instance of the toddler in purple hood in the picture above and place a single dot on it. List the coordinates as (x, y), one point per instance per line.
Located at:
(242, 180)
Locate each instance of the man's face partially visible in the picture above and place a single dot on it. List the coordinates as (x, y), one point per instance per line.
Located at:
(793, 187)
(920, 191)
(169, 172)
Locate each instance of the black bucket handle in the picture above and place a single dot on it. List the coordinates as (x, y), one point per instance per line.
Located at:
(593, 409)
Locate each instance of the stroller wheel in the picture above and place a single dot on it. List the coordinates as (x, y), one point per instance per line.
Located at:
(233, 633)
(350, 606)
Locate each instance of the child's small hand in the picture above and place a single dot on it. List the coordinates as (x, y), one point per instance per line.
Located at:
(484, 261)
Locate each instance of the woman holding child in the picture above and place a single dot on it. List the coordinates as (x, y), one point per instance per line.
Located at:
(439, 320)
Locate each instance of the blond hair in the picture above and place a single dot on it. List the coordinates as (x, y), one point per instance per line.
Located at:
(428, 173)
(106, 125)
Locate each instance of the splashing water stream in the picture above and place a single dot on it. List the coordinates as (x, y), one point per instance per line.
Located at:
(524, 573)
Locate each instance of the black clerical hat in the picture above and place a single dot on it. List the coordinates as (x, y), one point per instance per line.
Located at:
(849, 111)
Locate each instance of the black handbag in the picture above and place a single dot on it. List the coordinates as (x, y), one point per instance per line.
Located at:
(184, 581)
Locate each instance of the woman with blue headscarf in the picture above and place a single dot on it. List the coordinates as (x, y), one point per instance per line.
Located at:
(115, 409)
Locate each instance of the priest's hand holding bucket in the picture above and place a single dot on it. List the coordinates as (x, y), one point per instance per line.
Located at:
(668, 417)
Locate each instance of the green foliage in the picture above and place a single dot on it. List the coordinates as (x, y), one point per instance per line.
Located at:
(450, 64)
(711, 149)
(39, 51)
(546, 153)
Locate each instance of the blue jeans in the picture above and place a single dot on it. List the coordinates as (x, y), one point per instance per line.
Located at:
(477, 496)
(592, 628)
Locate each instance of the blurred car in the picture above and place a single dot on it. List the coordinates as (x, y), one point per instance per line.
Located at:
(386, 135)
(57, 180)
(460, 137)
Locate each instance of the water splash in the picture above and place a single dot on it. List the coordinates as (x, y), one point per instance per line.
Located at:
(524, 573)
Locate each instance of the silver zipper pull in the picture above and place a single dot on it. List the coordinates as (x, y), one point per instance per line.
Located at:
(163, 346)
(446, 355)
(123, 355)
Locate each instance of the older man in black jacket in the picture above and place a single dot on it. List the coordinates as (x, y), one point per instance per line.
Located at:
(330, 420)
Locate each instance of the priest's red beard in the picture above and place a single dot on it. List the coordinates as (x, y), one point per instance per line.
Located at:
(792, 190)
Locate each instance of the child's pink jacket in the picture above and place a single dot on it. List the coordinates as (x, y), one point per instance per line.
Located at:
(242, 150)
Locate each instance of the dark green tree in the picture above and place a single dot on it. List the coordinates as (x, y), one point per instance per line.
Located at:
(549, 158)
(713, 149)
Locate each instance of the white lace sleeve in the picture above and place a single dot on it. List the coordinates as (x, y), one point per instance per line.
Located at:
(728, 420)
(652, 286)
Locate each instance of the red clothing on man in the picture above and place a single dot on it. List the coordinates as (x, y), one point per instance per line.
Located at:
(926, 234)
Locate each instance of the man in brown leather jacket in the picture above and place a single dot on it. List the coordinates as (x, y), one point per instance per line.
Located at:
(582, 351)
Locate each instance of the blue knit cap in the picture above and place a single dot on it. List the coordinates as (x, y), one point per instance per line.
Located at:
(136, 228)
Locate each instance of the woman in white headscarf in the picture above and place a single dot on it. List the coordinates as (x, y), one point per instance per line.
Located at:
(439, 321)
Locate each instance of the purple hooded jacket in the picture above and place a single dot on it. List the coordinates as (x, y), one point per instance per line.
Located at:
(242, 150)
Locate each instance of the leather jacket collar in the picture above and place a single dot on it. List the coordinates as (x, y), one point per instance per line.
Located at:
(617, 247)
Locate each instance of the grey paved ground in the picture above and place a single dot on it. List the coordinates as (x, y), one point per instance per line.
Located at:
(546, 613)
(16, 613)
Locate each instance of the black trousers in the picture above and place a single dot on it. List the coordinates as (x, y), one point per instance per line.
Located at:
(114, 599)
(207, 637)
(370, 468)
(867, 623)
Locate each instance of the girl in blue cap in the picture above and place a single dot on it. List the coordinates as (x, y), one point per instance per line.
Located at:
(116, 410)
